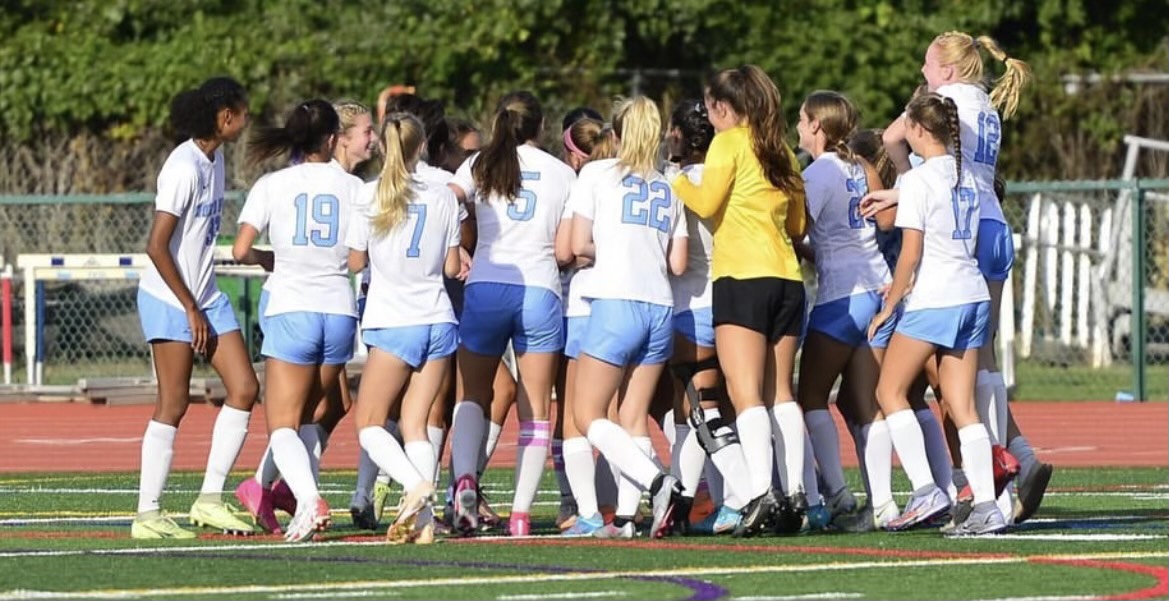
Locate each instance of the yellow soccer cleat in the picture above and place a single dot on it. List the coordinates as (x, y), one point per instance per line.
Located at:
(218, 515)
(153, 526)
(381, 496)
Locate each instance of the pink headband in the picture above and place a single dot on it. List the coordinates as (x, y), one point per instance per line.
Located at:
(568, 143)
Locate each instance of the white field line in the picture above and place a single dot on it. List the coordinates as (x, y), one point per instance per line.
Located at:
(246, 590)
(808, 596)
(1079, 538)
(337, 594)
(584, 595)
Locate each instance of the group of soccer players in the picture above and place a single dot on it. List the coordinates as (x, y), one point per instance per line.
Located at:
(591, 273)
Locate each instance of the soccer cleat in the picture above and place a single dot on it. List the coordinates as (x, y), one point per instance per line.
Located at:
(154, 525)
(663, 503)
(884, 514)
(816, 518)
(310, 519)
(424, 527)
(721, 521)
(258, 502)
(466, 521)
(610, 531)
(840, 502)
(923, 506)
(405, 526)
(984, 518)
(758, 515)
(362, 512)
(790, 517)
(381, 496)
(1031, 490)
(566, 517)
(488, 519)
(283, 499)
(583, 526)
(519, 524)
(682, 515)
(218, 516)
(1006, 467)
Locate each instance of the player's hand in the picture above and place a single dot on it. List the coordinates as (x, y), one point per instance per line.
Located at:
(875, 202)
(879, 320)
(465, 261)
(200, 330)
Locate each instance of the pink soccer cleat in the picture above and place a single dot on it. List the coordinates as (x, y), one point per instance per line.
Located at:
(258, 501)
(519, 524)
(283, 499)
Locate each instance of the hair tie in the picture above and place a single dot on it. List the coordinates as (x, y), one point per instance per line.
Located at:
(571, 146)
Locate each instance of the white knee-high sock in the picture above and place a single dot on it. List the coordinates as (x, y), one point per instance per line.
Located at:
(467, 430)
(910, 445)
(266, 472)
(788, 430)
(158, 448)
(489, 443)
(878, 451)
(689, 457)
(628, 491)
(976, 461)
(621, 450)
(396, 432)
(826, 447)
(984, 403)
(421, 455)
(389, 456)
(941, 466)
(731, 464)
(435, 435)
(227, 438)
(755, 435)
(292, 457)
(605, 483)
(1001, 401)
(530, 460)
(311, 435)
(580, 471)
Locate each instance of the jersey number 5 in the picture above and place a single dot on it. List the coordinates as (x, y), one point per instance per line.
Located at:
(326, 215)
(526, 198)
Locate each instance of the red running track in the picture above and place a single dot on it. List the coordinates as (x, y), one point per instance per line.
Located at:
(75, 437)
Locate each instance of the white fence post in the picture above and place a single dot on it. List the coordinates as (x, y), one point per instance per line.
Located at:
(1030, 274)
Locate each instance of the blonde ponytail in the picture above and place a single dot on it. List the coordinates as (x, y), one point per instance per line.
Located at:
(402, 140)
(1005, 95)
(638, 125)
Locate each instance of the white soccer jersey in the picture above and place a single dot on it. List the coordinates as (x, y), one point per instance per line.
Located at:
(982, 133)
(306, 210)
(190, 187)
(517, 238)
(848, 261)
(406, 287)
(572, 281)
(692, 288)
(948, 274)
(634, 219)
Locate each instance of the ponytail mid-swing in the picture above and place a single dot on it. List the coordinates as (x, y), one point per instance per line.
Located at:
(309, 130)
(938, 115)
(518, 119)
(403, 138)
(961, 50)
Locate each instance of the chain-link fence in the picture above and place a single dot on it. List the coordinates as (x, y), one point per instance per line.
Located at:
(1069, 315)
(1075, 289)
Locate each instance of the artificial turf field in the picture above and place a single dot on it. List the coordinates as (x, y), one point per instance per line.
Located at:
(1101, 533)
